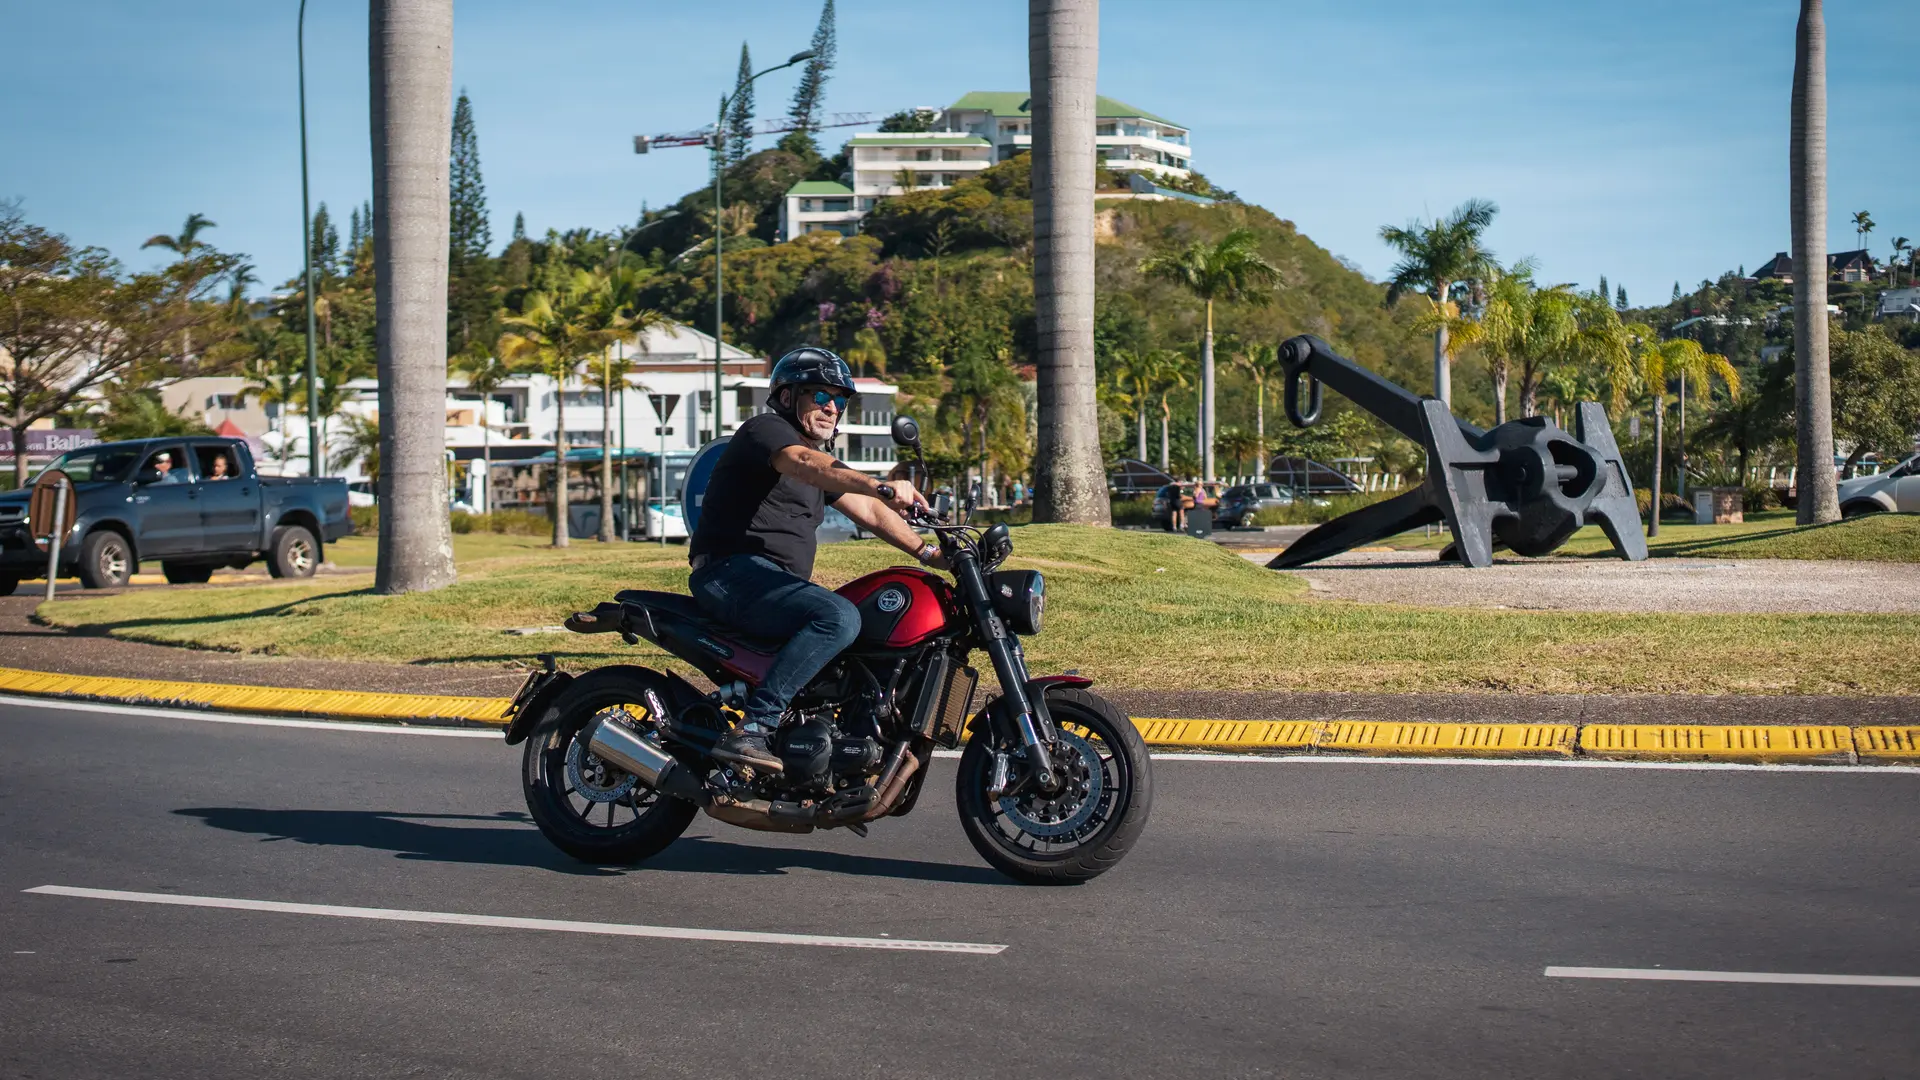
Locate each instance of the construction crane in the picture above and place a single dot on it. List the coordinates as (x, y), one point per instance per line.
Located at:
(705, 136)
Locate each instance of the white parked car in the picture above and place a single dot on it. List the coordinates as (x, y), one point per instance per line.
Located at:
(1895, 491)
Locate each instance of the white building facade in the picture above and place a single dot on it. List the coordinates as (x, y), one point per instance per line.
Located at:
(982, 128)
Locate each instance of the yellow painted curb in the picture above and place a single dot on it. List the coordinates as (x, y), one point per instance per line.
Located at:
(1234, 734)
(1748, 743)
(1465, 740)
(350, 704)
(1670, 742)
(1887, 744)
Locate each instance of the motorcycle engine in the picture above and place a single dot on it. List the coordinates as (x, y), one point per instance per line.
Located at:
(806, 750)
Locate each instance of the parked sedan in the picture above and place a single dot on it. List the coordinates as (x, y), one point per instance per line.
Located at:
(1242, 501)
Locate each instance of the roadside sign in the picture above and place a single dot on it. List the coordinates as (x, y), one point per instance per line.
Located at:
(52, 489)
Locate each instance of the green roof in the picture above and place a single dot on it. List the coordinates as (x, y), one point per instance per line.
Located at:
(1018, 103)
(819, 187)
(890, 139)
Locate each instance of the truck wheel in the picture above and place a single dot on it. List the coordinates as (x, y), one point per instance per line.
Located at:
(106, 560)
(8, 583)
(186, 573)
(293, 552)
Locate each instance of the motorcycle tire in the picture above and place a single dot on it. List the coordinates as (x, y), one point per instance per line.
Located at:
(651, 824)
(1119, 815)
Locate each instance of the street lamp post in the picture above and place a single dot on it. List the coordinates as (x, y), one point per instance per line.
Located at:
(719, 161)
(306, 245)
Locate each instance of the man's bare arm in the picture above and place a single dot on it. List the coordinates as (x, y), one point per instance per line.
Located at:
(877, 518)
(815, 469)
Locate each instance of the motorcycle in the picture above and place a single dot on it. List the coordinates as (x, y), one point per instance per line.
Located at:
(1054, 783)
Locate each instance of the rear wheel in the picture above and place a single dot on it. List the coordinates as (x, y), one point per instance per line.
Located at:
(106, 560)
(589, 808)
(186, 573)
(8, 583)
(1861, 509)
(292, 552)
(1080, 832)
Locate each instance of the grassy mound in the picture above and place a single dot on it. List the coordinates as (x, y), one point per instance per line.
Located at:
(1127, 608)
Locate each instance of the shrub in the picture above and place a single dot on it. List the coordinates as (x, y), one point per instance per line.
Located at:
(1135, 511)
(508, 522)
(365, 519)
(1757, 497)
(1307, 513)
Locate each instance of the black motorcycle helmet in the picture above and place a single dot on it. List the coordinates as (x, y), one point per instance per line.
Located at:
(809, 365)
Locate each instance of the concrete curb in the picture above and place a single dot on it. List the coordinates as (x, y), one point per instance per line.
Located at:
(1752, 744)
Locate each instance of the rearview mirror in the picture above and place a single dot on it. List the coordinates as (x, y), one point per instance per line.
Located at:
(148, 476)
(905, 431)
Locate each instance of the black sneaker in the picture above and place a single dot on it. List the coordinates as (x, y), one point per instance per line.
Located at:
(747, 748)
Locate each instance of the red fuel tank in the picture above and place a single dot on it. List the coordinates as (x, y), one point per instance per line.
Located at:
(902, 606)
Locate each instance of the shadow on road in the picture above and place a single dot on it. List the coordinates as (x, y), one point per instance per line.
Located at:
(422, 837)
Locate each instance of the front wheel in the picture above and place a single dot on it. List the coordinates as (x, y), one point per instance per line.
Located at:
(1083, 830)
(292, 552)
(592, 809)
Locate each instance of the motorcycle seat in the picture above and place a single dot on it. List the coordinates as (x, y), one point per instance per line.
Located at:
(688, 609)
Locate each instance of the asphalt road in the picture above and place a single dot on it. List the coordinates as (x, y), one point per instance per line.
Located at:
(1301, 919)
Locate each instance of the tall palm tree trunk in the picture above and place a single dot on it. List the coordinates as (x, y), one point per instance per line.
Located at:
(1500, 376)
(1063, 54)
(1140, 423)
(606, 450)
(1813, 387)
(1659, 458)
(486, 461)
(1442, 361)
(410, 54)
(1207, 431)
(561, 532)
(1680, 442)
(1166, 448)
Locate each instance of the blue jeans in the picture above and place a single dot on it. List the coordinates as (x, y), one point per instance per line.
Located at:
(752, 593)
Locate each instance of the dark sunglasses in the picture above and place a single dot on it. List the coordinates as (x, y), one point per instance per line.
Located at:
(821, 397)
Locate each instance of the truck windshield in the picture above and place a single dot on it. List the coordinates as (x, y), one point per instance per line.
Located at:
(97, 463)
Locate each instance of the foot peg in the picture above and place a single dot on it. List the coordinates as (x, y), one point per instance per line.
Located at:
(604, 619)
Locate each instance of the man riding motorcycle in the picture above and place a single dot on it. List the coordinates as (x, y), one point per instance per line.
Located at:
(753, 549)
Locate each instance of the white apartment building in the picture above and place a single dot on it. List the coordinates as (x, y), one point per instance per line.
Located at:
(982, 128)
(1128, 138)
(881, 165)
(663, 413)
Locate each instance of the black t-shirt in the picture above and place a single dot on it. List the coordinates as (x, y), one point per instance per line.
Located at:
(751, 509)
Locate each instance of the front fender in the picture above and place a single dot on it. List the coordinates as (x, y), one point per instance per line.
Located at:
(1037, 691)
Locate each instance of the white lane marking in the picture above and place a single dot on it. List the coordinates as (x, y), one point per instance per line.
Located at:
(566, 926)
(249, 720)
(1773, 977)
(1158, 755)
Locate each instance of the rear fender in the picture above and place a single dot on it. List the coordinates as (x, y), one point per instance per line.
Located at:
(530, 705)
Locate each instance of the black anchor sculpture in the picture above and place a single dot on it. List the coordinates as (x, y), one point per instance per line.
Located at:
(1525, 486)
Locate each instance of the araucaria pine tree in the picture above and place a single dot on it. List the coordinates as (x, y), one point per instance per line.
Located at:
(1620, 298)
(740, 112)
(812, 91)
(469, 294)
(326, 243)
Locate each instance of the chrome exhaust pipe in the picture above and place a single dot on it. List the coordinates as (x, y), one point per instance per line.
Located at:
(626, 748)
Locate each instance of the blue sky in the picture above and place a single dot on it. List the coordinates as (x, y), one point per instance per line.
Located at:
(1645, 141)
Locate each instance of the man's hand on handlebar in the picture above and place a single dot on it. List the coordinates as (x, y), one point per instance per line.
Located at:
(905, 497)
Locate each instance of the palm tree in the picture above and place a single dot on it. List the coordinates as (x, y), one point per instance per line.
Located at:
(1133, 374)
(1819, 501)
(555, 330)
(362, 444)
(1900, 244)
(1168, 371)
(272, 365)
(611, 310)
(411, 60)
(1261, 363)
(1435, 258)
(1063, 56)
(485, 372)
(1862, 225)
(1238, 444)
(1230, 269)
(1649, 363)
(186, 245)
(1686, 359)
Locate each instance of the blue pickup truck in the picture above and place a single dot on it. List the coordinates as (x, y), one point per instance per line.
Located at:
(192, 504)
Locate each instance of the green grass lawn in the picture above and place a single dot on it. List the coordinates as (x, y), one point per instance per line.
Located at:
(1768, 535)
(1127, 608)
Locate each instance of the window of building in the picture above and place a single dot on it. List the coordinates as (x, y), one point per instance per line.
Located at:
(834, 205)
(1103, 129)
(580, 398)
(227, 401)
(806, 206)
(948, 179)
(923, 155)
(866, 202)
(950, 154)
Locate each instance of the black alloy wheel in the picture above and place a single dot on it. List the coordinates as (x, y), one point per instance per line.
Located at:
(1081, 831)
(589, 808)
(292, 552)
